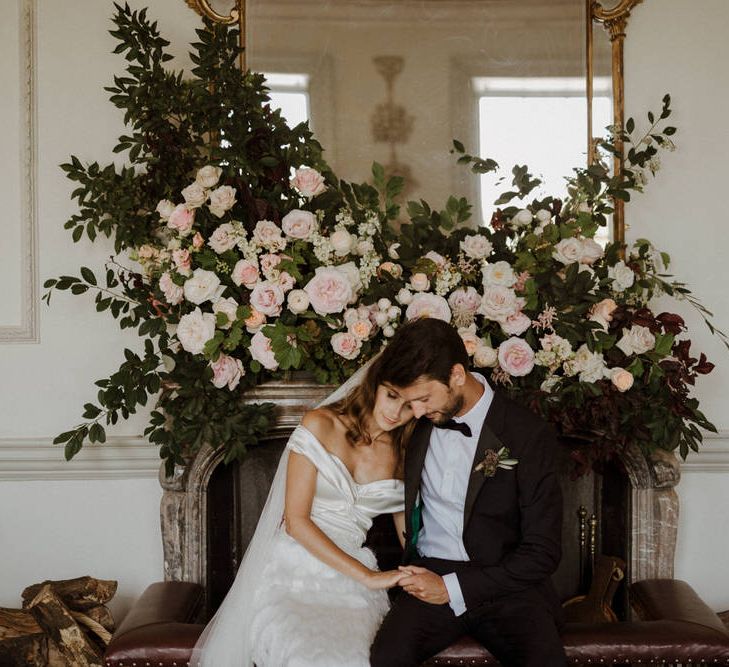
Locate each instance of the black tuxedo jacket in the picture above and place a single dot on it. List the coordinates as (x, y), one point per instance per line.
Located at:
(512, 522)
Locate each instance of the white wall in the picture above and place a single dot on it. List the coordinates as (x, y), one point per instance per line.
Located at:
(99, 514)
(680, 47)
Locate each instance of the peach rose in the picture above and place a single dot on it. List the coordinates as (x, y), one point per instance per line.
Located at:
(254, 321)
(622, 379)
(227, 371)
(516, 357)
(198, 241)
(470, 339)
(361, 329)
(419, 282)
(262, 352)
(346, 345)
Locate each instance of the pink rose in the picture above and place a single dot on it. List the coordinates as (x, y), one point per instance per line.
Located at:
(286, 280)
(261, 351)
(516, 357)
(268, 297)
(499, 303)
(436, 258)
(268, 235)
(182, 260)
(426, 304)
(298, 224)
(464, 301)
(227, 371)
(346, 345)
(269, 262)
(329, 291)
(516, 324)
(245, 273)
(309, 182)
(181, 220)
(173, 293)
(223, 238)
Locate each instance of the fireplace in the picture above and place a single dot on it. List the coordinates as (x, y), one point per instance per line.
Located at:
(209, 510)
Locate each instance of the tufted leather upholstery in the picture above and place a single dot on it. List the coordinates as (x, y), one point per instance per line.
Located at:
(676, 626)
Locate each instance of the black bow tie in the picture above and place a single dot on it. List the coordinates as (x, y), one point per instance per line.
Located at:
(453, 425)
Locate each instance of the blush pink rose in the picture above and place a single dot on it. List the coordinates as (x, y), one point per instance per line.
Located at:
(268, 263)
(425, 304)
(255, 321)
(182, 260)
(268, 298)
(464, 301)
(622, 379)
(420, 282)
(245, 273)
(173, 293)
(309, 182)
(181, 220)
(198, 241)
(227, 371)
(346, 345)
(286, 280)
(329, 291)
(262, 352)
(516, 324)
(516, 357)
(298, 224)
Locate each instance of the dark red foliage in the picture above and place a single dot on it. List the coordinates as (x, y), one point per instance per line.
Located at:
(672, 323)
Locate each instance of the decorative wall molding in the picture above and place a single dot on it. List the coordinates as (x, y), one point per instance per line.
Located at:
(120, 457)
(28, 330)
(713, 455)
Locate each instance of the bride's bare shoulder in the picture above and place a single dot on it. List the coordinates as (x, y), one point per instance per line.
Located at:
(321, 422)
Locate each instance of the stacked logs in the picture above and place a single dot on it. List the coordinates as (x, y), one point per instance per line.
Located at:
(61, 623)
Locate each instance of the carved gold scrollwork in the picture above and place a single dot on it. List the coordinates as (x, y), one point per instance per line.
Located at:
(236, 15)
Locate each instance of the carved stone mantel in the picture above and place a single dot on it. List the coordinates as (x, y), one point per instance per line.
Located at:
(652, 516)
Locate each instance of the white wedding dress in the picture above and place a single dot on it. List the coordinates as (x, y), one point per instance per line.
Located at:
(303, 613)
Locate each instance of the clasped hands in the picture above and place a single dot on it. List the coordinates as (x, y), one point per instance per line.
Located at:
(416, 581)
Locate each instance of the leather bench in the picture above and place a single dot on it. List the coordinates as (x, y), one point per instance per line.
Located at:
(675, 626)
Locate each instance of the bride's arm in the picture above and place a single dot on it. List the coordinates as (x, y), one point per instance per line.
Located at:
(300, 487)
(399, 520)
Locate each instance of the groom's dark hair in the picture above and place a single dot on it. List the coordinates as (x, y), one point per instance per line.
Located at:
(424, 347)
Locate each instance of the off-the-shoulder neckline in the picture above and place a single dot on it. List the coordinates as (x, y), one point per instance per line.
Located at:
(336, 459)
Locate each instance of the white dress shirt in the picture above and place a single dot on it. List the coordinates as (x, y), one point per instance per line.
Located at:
(444, 483)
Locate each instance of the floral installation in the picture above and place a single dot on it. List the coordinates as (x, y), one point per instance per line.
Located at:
(242, 257)
(493, 460)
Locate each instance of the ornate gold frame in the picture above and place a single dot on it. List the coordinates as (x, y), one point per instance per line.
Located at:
(615, 21)
(237, 15)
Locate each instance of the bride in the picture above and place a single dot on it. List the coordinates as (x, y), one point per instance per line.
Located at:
(307, 593)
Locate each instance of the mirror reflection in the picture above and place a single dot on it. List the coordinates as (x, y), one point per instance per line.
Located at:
(397, 81)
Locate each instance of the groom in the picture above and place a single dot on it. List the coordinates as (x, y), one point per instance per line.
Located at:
(483, 533)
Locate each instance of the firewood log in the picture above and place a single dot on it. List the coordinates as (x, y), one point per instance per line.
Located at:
(80, 593)
(101, 615)
(56, 620)
(22, 642)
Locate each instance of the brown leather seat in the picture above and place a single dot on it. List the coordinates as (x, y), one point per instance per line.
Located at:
(676, 626)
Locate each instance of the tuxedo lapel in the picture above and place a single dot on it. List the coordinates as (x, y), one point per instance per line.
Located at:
(415, 453)
(492, 428)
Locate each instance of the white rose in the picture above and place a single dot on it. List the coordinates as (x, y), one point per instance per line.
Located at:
(636, 341)
(208, 176)
(419, 282)
(267, 298)
(381, 318)
(194, 195)
(203, 285)
(498, 273)
(383, 303)
(591, 251)
(590, 365)
(425, 304)
(298, 301)
(346, 345)
(228, 307)
(499, 303)
(543, 215)
(350, 271)
(622, 276)
(522, 218)
(195, 329)
(222, 199)
(223, 238)
(342, 242)
(476, 246)
(404, 296)
(165, 208)
(298, 224)
(261, 351)
(568, 251)
(464, 301)
(516, 357)
(485, 356)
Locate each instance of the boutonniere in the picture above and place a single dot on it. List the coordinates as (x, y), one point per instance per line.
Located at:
(494, 460)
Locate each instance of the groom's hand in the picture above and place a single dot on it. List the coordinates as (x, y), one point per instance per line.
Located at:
(424, 584)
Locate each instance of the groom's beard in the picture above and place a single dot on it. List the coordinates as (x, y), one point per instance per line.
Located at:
(452, 408)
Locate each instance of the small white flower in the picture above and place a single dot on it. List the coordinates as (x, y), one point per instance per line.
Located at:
(522, 218)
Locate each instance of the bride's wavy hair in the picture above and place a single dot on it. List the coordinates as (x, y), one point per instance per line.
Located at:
(358, 404)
